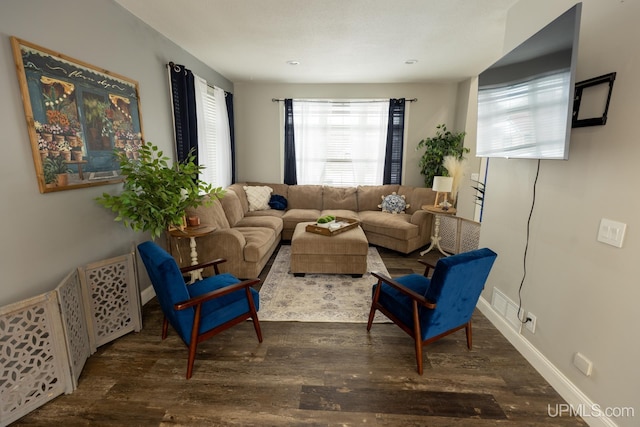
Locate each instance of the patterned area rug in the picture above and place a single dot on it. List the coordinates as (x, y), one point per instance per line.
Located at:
(318, 297)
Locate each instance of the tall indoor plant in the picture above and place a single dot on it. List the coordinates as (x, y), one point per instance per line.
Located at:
(444, 143)
(156, 194)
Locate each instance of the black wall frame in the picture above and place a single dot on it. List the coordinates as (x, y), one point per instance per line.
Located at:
(578, 95)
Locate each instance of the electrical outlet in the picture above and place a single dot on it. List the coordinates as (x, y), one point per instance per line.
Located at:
(530, 323)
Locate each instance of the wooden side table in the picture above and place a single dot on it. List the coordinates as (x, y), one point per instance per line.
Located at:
(192, 233)
(435, 237)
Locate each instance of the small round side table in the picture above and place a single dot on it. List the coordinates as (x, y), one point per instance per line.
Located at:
(192, 233)
(435, 237)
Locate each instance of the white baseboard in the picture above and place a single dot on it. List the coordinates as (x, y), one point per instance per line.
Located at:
(147, 294)
(569, 392)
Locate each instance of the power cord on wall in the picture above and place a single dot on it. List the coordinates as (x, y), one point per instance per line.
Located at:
(526, 247)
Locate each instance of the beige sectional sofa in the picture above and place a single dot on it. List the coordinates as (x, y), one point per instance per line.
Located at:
(247, 239)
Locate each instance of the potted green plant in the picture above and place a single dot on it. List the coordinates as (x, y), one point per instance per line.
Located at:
(156, 194)
(444, 143)
(55, 171)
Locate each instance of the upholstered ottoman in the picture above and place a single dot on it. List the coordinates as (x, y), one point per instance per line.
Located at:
(343, 253)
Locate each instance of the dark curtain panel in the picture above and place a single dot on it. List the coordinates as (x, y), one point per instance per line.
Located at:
(229, 100)
(395, 135)
(184, 111)
(290, 172)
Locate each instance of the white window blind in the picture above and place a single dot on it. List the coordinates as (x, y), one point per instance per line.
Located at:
(340, 143)
(214, 144)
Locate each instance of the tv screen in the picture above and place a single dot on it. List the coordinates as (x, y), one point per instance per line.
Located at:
(525, 100)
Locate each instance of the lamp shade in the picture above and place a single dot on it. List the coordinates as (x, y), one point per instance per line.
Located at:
(442, 184)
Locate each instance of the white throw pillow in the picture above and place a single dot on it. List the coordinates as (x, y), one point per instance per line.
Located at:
(258, 197)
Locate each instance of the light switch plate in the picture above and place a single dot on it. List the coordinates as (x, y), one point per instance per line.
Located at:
(611, 232)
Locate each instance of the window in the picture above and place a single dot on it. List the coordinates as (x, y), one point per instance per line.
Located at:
(340, 143)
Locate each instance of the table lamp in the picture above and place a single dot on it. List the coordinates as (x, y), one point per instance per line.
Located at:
(442, 184)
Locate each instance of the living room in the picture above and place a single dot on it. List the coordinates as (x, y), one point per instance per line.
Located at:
(566, 265)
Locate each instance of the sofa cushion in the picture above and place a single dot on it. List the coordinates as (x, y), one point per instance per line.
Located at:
(232, 207)
(238, 188)
(293, 216)
(417, 197)
(258, 197)
(369, 196)
(393, 203)
(340, 213)
(396, 226)
(280, 189)
(267, 221)
(339, 198)
(210, 215)
(305, 197)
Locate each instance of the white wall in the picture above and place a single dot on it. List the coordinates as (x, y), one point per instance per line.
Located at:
(583, 292)
(259, 130)
(45, 236)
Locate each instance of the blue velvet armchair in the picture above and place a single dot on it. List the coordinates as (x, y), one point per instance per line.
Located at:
(430, 308)
(203, 309)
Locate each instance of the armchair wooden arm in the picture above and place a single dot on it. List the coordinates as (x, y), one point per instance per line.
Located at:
(416, 297)
(213, 263)
(215, 294)
(428, 266)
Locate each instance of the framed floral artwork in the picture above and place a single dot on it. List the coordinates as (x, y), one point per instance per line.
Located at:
(78, 117)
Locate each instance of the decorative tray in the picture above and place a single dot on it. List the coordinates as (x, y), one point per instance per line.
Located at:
(343, 223)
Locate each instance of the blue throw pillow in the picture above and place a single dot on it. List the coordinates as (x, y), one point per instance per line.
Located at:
(278, 202)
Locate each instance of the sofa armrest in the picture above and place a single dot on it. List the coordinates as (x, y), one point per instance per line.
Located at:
(227, 240)
(421, 217)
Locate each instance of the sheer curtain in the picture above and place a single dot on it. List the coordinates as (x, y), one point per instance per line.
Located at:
(340, 143)
(223, 140)
(214, 139)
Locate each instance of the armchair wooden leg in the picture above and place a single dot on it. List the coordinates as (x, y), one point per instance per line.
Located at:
(417, 336)
(374, 301)
(193, 345)
(254, 314)
(256, 326)
(165, 327)
(467, 329)
(192, 358)
(372, 313)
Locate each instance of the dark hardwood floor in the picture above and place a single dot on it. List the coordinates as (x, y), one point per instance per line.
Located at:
(307, 374)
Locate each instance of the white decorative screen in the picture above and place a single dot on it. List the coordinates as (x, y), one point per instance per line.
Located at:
(74, 324)
(458, 235)
(33, 357)
(111, 298)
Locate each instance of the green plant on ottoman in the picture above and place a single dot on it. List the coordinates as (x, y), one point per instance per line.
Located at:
(156, 195)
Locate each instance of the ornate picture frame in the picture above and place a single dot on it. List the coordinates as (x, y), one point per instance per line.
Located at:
(78, 117)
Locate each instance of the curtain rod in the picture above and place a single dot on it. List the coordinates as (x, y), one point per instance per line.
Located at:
(320, 100)
(176, 68)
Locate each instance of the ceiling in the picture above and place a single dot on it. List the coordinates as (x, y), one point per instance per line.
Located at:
(333, 41)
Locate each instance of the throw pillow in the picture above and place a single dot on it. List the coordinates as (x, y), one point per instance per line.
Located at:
(258, 197)
(393, 203)
(278, 202)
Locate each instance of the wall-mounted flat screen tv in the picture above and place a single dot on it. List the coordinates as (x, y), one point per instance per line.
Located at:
(525, 100)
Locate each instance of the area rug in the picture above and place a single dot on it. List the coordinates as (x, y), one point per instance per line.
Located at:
(318, 297)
